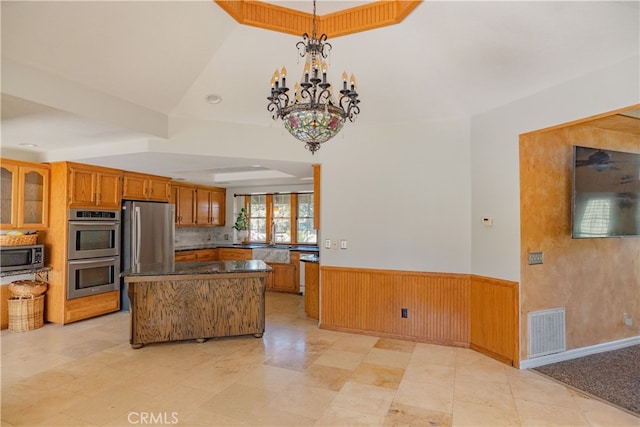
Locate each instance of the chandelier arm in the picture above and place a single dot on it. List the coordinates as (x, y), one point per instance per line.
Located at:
(312, 115)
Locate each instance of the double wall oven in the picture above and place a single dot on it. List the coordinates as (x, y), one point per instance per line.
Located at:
(93, 252)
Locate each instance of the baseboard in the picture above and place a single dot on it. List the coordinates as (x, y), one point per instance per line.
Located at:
(579, 352)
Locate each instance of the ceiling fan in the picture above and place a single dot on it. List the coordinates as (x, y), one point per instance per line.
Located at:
(600, 160)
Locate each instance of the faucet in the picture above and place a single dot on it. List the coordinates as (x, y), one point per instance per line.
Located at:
(272, 238)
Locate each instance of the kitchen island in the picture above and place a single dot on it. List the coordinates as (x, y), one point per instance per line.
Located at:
(196, 300)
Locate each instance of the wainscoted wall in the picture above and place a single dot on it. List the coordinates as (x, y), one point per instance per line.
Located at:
(596, 280)
(494, 318)
(370, 301)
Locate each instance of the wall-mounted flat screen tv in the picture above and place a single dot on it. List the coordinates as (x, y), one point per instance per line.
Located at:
(605, 193)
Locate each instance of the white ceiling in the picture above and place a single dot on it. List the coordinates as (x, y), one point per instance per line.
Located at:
(160, 59)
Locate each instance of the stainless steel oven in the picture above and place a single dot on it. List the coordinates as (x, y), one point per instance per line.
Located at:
(93, 234)
(93, 276)
(93, 264)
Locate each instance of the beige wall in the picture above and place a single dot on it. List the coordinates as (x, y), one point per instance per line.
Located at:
(596, 280)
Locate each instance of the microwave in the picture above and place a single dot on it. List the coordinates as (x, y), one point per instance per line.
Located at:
(14, 258)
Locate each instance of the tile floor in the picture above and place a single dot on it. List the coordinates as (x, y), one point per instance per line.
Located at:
(86, 374)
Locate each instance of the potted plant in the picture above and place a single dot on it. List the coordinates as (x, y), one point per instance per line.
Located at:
(242, 224)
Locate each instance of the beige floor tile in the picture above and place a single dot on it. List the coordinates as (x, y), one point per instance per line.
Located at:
(533, 413)
(388, 358)
(364, 398)
(405, 415)
(395, 345)
(381, 376)
(600, 414)
(478, 414)
(340, 417)
(541, 390)
(87, 374)
(340, 359)
(326, 377)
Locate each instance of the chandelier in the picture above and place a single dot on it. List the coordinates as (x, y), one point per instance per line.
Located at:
(312, 115)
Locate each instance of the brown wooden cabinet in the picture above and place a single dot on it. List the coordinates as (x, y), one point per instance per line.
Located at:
(25, 195)
(210, 254)
(234, 254)
(94, 187)
(284, 277)
(312, 289)
(75, 185)
(210, 206)
(137, 186)
(184, 197)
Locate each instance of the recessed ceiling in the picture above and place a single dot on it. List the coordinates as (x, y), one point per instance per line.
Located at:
(103, 81)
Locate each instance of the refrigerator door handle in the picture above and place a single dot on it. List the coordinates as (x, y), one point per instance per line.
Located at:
(137, 237)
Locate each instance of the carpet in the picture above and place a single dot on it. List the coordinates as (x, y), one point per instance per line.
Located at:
(613, 376)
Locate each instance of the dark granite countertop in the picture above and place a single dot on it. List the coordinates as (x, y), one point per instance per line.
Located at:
(188, 267)
(297, 248)
(310, 258)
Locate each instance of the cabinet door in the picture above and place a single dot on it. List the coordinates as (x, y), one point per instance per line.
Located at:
(203, 207)
(134, 187)
(185, 255)
(218, 207)
(109, 194)
(33, 201)
(158, 189)
(207, 255)
(82, 188)
(284, 277)
(233, 254)
(185, 199)
(9, 195)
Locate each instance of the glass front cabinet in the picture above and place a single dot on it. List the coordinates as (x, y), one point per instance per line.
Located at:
(24, 197)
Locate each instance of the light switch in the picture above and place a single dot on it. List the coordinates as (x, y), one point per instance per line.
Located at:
(343, 244)
(327, 244)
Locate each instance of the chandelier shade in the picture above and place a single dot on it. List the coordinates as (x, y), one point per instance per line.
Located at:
(312, 115)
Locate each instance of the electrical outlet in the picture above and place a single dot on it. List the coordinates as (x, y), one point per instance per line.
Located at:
(628, 321)
(403, 313)
(343, 244)
(536, 258)
(327, 244)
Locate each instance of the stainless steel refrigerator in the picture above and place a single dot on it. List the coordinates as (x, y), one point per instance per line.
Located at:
(148, 232)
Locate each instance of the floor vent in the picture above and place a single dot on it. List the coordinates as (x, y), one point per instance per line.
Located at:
(546, 332)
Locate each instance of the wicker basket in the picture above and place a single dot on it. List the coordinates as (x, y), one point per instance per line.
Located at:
(26, 314)
(18, 240)
(27, 288)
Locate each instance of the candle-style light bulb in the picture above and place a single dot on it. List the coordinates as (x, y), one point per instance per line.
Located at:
(296, 91)
(344, 80)
(306, 72)
(353, 82)
(284, 75)
(324, 72)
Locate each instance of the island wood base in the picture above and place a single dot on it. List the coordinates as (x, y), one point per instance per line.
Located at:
(200, 306)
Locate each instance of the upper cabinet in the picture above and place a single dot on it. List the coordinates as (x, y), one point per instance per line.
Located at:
(184, 197)
(210, 206)
(94, 187)
(137, 186)
(24, 197)
(86, 186)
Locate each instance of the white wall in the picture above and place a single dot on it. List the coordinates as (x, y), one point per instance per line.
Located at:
(400, 196)
(495, 251)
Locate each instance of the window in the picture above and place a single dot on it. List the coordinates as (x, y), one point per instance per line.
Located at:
(596, 218)
(257, 218)
(281, 218)
(305, 231)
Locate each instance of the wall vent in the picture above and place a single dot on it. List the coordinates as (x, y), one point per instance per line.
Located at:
(546, 332)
